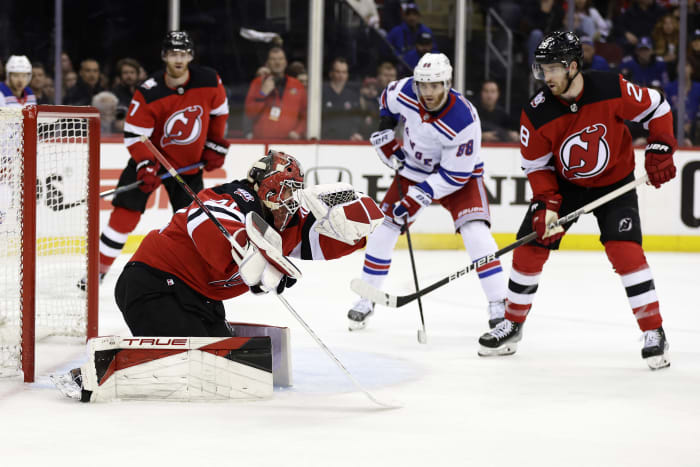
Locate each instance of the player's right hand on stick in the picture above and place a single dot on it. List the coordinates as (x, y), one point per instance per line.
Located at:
(147, 172)
(659, 162)
(388, 148)
(545, 211)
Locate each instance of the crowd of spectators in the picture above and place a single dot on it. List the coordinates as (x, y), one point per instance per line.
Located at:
(637, 38)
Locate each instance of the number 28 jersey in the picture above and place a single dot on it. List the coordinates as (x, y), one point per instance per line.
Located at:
(586, 142)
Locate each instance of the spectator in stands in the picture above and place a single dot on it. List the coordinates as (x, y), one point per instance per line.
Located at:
(424, 44)
(276, 103)
(386, 73)
(341, 105)
(693, 57)
(636, 22)
(38, 84)
(541, 18)
(369, 103)
(66, 64)
(692, 103)
(592, 61)
(297, 70)
(583, 23)
(403, 37)
(665, 37)
(602, 25)
(70, 79)
(496, 124)
(107, 102)
(128, 74)
(87, 86)
(15, 90)
(48, 90)
(645, 68)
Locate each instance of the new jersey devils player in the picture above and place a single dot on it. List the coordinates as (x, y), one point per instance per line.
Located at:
(175, 282)
(576, 148)
(183, 111)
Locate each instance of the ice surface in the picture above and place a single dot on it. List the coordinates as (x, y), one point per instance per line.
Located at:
(577, 392)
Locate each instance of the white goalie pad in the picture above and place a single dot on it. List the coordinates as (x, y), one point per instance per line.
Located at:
(341, 212)
(177, 368)
(269, 242)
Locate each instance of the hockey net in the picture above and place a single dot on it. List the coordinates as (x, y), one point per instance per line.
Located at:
(49, 182)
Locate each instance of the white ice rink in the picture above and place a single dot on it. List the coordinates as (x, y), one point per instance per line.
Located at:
(577, 392)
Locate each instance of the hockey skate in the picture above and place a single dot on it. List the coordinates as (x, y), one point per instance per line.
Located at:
(359, 313)
(82, 283)
(497, 312)
(70, 384)
(501, 340)
(654, 350)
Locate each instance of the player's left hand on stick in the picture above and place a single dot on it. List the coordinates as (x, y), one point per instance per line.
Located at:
(147, 172)
(409, 207)
(659, 161)
(545, 212)
(214, 153)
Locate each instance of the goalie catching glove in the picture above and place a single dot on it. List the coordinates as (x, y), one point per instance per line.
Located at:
(341, 212)
(388, 148)
(261, 263)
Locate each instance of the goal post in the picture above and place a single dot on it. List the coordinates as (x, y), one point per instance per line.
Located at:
(49, 229)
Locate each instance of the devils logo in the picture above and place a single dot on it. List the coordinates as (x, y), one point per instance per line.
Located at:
(183, 126)
(585, 154)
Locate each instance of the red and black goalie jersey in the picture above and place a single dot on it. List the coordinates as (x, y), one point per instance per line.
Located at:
(586, 142)
(177, 121)
(192, 248)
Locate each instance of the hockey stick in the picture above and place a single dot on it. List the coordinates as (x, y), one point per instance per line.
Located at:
(395, 301)
(137, 183)
(164, 162)
(422, 336)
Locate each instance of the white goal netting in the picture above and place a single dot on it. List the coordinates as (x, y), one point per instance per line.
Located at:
(61, 223)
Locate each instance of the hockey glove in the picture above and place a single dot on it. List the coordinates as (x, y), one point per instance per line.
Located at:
(659, 162)
(147, 172)
(214, 153)
(388, 149)
(417, 197)
(545, 209)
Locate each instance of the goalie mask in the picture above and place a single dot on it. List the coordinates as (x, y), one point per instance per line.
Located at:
(276, 178)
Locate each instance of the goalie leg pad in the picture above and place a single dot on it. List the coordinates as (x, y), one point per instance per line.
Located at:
(281, 348)
(177, 368)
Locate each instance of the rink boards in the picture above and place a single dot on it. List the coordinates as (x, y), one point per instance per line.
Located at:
(670, 215)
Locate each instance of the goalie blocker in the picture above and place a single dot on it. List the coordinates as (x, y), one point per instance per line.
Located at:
(183, 368)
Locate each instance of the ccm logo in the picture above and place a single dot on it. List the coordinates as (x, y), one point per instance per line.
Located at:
(155, 342)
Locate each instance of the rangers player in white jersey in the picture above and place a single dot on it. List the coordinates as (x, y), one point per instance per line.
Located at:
(439, 161)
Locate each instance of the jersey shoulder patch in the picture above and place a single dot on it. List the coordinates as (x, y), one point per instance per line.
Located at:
(154, 87)
(542, 108)
(242, 193)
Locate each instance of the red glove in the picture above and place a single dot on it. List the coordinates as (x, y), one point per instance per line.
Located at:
(417, 197)
(659, 162)
(214, 153)
(545, 211)
(147, 172)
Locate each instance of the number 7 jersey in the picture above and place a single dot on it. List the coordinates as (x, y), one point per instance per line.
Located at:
(442, 148)
(586, 141)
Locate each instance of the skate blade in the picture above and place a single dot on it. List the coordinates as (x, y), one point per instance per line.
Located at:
(356, 325)
(658, 362)
(66, 385)
(506, 349)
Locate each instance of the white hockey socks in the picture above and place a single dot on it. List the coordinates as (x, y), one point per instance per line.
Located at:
(479, 242)
(378, 254)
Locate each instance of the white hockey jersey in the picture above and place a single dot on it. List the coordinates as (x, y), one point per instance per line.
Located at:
(7, 99)
(442, 151)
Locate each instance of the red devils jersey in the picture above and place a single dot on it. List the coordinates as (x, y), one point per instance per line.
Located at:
(586, 142)
(192, 248)
(177, 121)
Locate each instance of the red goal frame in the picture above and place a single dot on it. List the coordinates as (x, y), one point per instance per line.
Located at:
(31, 116)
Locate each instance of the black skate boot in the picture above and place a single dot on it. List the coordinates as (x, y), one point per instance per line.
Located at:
(654, 350)
(497, 312)
(501, 340)
(359, 313)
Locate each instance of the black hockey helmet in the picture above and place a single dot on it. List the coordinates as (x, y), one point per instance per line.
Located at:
(178, 40)
(559, 47)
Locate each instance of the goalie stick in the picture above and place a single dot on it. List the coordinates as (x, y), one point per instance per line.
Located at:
(365, 290)
(164, 162)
